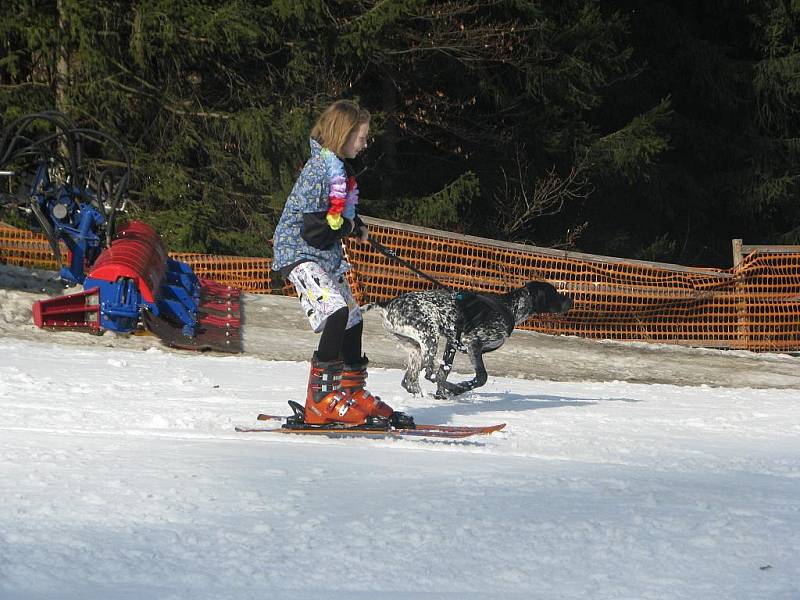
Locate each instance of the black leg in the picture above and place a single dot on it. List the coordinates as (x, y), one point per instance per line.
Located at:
(454, 389)
(351, 344)
(444, 370)
(330, 342)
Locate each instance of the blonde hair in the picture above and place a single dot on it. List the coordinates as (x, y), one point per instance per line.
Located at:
(336, 124)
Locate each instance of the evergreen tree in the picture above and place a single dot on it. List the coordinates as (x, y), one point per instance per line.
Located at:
(504, 90)
(209, 98)
(657, 130)
(731, 167)
(772, 196)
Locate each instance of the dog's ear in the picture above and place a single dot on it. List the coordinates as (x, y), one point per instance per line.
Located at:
(545, 298)
(537, 295)
(533, 286)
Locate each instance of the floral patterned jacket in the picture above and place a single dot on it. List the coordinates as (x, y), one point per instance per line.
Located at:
(312, 226)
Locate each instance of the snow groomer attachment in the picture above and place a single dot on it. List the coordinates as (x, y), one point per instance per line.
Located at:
(128, 279)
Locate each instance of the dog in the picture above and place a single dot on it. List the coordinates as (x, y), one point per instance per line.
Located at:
(472, 323)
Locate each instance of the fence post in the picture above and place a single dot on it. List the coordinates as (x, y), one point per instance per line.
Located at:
(741, 301)
(737, 252)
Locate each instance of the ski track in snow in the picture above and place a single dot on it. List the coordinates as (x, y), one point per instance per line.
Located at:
(121, 477)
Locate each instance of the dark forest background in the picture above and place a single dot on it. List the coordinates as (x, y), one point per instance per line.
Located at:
(656, 129)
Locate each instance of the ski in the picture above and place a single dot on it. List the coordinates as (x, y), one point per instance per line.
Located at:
(401, 426)
(442, 432)
(472, 430)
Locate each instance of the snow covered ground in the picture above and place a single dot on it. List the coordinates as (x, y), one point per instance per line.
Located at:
(121, 476)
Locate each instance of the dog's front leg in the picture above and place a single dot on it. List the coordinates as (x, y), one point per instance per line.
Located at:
(444, 370)
(454, 389)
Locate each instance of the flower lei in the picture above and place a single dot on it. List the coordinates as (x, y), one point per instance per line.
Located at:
(343, 193)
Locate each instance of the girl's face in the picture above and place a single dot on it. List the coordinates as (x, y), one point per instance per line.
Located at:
(356, 142)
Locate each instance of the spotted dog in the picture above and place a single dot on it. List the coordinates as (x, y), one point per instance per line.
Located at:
(471, 323)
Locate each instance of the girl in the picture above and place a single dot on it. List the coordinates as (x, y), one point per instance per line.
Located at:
(319, 213)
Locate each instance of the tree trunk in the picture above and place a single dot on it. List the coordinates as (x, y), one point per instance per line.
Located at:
(61, 80)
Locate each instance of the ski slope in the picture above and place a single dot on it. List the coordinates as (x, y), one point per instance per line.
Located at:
(121, 478)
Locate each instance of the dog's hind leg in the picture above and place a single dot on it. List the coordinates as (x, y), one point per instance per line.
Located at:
(429, 346)
(413, 364)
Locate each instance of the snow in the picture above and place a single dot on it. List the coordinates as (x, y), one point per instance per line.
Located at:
(121, 475)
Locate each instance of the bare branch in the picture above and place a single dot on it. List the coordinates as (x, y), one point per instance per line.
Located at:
(520, 202)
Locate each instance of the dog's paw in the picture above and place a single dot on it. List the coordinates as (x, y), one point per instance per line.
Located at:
(452, 389)
(412, 387)
(447, 390)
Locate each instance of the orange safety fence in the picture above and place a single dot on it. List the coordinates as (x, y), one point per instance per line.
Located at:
(753, 306)
(22, 248)
(252, 275)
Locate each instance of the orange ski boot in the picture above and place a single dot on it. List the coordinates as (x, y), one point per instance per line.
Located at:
(326, 402)
(354, 378)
